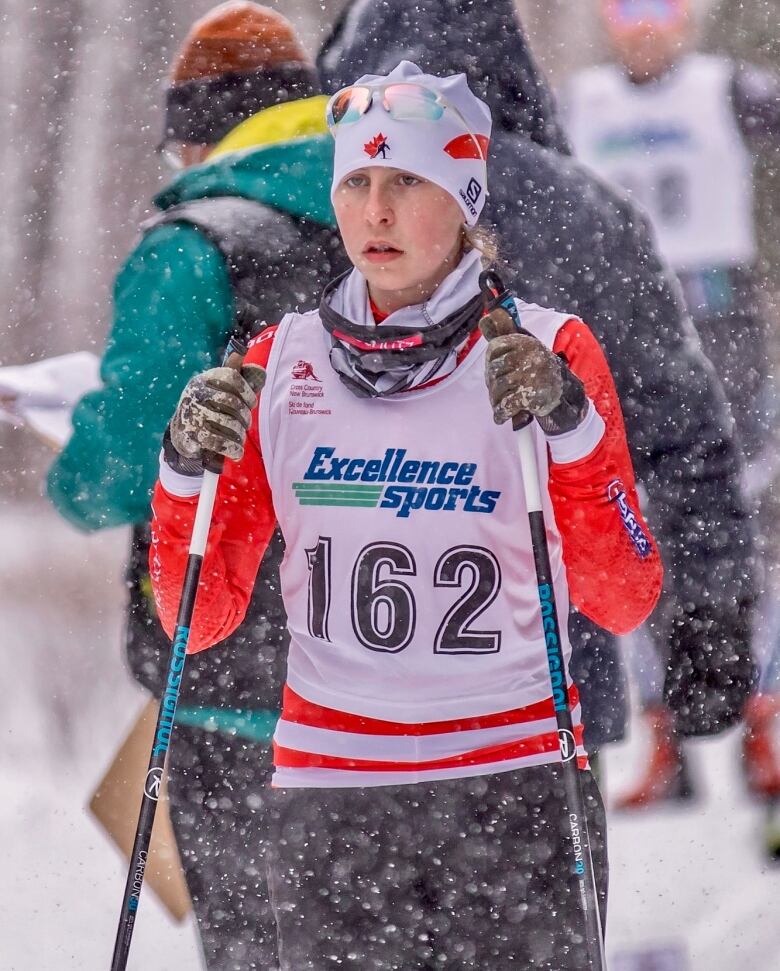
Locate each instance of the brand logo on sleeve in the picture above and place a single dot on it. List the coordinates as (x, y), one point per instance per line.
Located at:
(267, 334)
(392, 482)
(617, 494)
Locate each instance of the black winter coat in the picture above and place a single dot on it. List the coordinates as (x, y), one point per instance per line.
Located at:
(574, 244)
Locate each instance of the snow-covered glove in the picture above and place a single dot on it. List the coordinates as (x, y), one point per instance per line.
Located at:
(213, 416)
(525, 378)
(710, 673)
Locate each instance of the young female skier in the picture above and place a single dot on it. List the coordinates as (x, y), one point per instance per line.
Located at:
(419, 818)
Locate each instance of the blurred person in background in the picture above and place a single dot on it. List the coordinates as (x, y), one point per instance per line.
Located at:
(242, 230)
(560, 230)
(678, 130)
(750, 33)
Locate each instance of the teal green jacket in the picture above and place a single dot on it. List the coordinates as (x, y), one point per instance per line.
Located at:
(173, 312)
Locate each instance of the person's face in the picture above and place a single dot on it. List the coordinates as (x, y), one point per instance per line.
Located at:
(647, 36)
(402, 232)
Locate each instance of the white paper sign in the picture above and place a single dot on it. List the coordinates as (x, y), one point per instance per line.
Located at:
(42, 395)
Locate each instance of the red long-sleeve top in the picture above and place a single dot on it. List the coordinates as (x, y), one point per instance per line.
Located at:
(613, 568)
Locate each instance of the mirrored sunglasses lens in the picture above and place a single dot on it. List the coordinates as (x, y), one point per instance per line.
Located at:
(634, 11)
(411, 102)
(348, 105)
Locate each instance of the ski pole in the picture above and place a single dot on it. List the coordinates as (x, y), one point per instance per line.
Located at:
(234, 356)
(582, 862)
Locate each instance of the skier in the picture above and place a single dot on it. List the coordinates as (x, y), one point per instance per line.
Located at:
(751, 33)
(677, 129)
(419, 811)
(236, 237)
(561, 229)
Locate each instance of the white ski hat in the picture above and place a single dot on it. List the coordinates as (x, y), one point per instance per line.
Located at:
(449, 150)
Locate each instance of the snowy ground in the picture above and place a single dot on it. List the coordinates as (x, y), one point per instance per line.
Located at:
(689, 879)
(693, 878)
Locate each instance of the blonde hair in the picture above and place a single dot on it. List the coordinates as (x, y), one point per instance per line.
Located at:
(483, 239)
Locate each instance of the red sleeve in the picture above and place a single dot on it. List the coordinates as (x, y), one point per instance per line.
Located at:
(612, 563)
(241, 528)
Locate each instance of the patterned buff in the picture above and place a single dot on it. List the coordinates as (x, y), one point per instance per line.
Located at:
(432, 127)
(413, 345)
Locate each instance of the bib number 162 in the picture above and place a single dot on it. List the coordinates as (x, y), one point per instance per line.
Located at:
(383, 608)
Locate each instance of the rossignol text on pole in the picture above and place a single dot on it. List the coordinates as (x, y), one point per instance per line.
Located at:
(581, 861)
(234, 356)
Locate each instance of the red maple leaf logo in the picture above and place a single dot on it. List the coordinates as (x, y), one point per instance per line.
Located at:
(377, 146)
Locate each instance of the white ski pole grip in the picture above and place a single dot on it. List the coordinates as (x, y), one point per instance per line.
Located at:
(502, 317)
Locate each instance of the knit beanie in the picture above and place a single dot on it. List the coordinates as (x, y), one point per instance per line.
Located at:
(450, 151)
(236, 60)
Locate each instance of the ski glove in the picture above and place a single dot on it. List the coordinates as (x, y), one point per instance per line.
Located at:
(524, 377)
(710, 673)
(213, 415)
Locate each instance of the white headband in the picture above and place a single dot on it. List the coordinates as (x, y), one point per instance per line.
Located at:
(450, 151)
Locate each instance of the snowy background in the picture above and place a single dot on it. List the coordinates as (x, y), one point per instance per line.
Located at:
(80, 82)
(691, 881)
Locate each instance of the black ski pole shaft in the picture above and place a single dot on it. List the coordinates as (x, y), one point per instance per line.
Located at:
(581, 857)
(139, 857)
(575, 801)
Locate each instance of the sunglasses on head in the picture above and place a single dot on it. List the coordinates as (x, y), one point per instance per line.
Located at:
(636, 11)
(402, 101)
